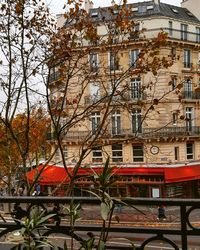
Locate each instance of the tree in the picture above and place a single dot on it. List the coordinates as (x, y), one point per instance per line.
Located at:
(25, 31)
(74, 71)
(11, 164)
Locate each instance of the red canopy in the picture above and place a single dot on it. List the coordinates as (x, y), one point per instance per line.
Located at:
(50, 175)
(53, 175)
(180, 174)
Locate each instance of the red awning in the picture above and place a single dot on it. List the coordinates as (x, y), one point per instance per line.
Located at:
(53, 175)
(180, 174)
(50, 175)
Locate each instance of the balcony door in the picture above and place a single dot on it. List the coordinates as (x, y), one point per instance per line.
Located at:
(136, 121)
(188, 88)
(94, 91)
(136, 89)
(116, 123)
(189, 113)
(95, 120)
(184, 32)
(187, 58)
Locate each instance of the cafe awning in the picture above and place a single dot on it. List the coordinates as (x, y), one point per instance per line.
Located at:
(53, 175)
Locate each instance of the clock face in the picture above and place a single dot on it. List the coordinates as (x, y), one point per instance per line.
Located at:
(154, 150)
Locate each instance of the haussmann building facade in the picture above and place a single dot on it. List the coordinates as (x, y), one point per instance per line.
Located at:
(158, 156)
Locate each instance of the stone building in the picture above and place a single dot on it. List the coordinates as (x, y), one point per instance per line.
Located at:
(154, 117)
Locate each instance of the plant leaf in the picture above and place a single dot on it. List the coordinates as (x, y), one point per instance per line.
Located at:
(104, 210)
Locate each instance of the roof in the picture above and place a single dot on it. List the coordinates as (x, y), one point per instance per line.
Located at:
(53, 175)
(148, 9)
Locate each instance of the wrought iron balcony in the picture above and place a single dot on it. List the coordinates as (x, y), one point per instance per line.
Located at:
(171, 131)
(180, 230)
(128, 133)
(174, 34)
(191, 95)
(120, 97)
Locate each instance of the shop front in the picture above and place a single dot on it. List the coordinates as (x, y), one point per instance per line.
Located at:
(152, 182)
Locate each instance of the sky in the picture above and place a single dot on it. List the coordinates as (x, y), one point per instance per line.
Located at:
(57, 5)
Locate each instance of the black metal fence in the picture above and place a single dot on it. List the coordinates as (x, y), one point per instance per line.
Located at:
(137, 221)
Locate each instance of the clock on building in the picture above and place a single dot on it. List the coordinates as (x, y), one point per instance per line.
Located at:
(154, 150)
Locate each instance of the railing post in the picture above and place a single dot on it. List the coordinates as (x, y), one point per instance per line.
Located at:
(183, 228)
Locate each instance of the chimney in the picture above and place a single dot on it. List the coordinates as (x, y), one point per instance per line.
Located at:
(88, 5)
(157, 2)
(113, 2)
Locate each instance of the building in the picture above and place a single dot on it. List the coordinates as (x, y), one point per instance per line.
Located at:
(153, 117)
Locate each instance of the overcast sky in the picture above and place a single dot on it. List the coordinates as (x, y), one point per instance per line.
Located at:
(57, 5)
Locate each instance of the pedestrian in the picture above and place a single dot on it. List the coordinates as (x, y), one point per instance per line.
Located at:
(37, 189)
(13, 191)
(161, 213)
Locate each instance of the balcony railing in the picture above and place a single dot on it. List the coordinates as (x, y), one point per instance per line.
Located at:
(121, 97)
(181, 230)
(172, 34)
(191, 95)
(171, 131)
(128, 133)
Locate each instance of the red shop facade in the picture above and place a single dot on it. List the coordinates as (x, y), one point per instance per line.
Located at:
(154, 182)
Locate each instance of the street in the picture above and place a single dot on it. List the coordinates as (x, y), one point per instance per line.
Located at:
(128, 217)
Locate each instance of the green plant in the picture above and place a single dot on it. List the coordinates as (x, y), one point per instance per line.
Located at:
(31, 228)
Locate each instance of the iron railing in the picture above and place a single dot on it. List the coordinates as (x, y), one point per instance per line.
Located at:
(129, 133)
(191, 95)
(174, 34)
(141, 227)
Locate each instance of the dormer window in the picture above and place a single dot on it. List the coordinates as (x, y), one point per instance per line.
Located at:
(189, 14)
(175, 10)
(134, 9)
(150, 7)
(94, 14)
(142, 9)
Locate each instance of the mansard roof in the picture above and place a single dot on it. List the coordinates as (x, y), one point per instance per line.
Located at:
(147, 9)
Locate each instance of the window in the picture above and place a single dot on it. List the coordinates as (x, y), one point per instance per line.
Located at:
(135, 31)
(116, 123)
(176, 153)
(113, 61)
(174, 118)
(117, 155)
(134, 9)
(133, 58)
(65, 152)
(136, 121)
(138, 153)
(94, 14)
(170, 28)
(174, 83)
(150, 7)
(173, 53)
(174, 10)
(198, 34)
(198, 61)
(184, 32)
(94, 91)
(97, 154)
(54, 73)
(189, 119)
(93, 59)
(57, 155)
(142, 9)
(187, 88)
(95, 120)
(136, 88)
(190, 150)
(187, 58)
